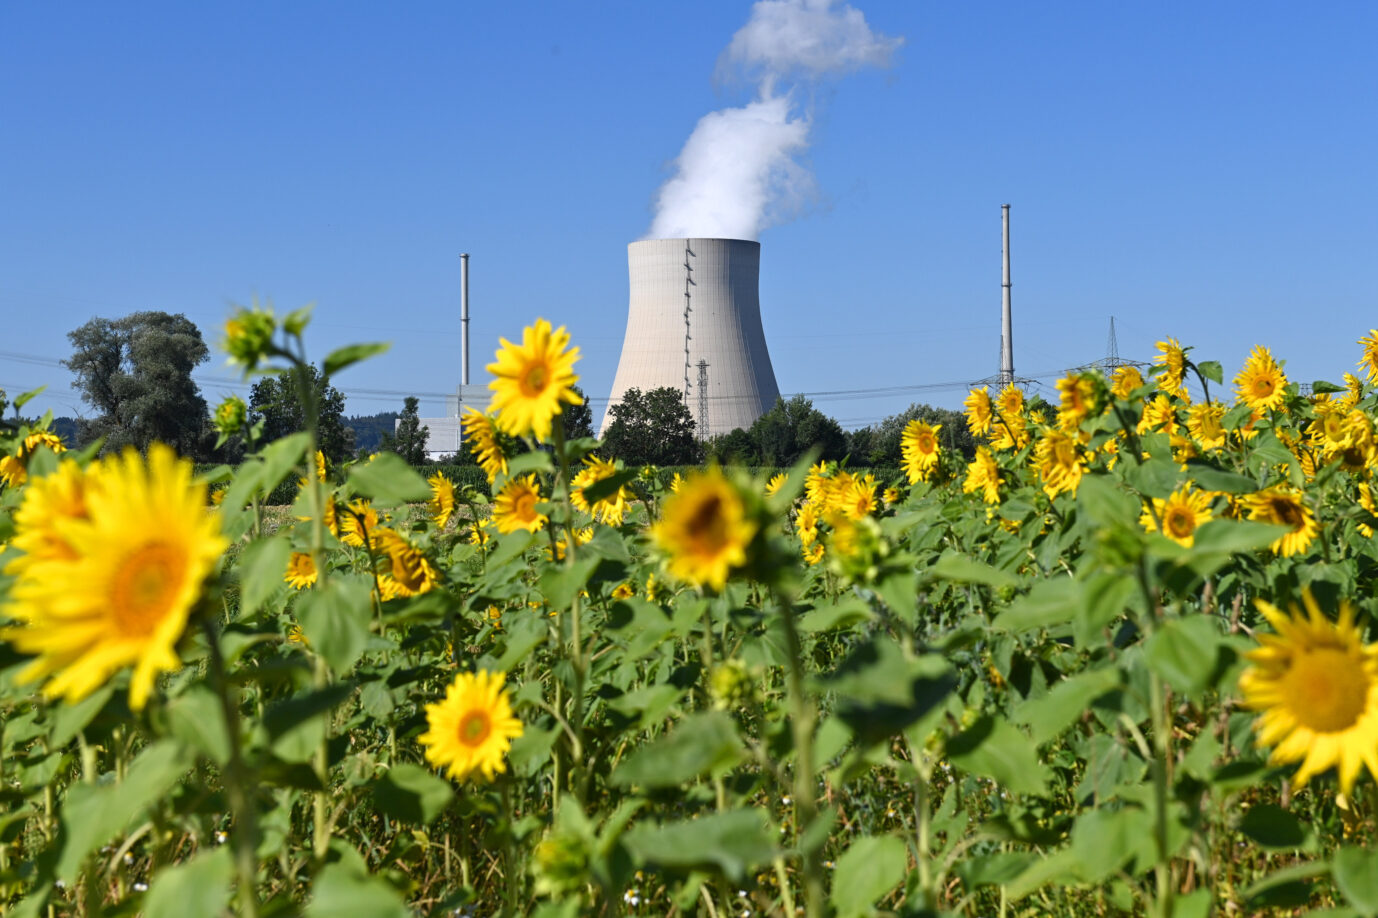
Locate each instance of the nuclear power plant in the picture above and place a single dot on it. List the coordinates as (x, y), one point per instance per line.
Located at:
(694, 324)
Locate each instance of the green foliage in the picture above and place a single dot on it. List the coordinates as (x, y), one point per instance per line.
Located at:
(136, 373)
(275, 400)
(652, 428)
(409, 441)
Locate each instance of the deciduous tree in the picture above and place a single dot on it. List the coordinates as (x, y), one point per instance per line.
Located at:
(274, 399)
(652, 428)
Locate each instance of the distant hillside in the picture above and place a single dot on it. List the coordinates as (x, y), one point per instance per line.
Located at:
(369, 428)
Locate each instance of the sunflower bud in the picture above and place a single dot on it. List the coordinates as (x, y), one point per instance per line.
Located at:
(248, 336)
(230, 416)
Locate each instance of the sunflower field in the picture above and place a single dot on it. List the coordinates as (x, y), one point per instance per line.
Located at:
(1120, 662)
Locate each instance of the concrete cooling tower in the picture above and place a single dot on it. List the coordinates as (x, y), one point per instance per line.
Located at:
(694, 324)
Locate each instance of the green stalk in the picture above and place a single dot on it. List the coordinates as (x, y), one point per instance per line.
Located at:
(802, 717)
(236, 784)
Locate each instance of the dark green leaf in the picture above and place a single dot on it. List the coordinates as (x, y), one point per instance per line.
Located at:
(71, 719)
(1050, 602)
(993, 749)
(412, 794)
(1067, 701)
(562, 582)
(260, 570)
(1212, 370)
(866, 871)
(952, 565)
(388, 480)
(1273, 827)
(1183, 652)
(832, 616)
(342, 892)
(340, 358)
(733, 842)
(1356, 873)
(335, 619)
(700, 744)
(196, 718)
(1210, 478)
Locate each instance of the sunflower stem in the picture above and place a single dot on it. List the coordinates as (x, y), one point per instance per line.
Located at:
(802, 717)
(236, 782)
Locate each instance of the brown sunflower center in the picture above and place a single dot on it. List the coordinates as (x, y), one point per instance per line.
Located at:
(706, 526)
(144, 587)
(525, 506)
(1179, 522)
(474, 728)
(1287, 512)
(1326, 689)
(1263, 386)
(534, 379)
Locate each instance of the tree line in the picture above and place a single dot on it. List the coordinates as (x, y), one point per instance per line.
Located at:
(136, 373)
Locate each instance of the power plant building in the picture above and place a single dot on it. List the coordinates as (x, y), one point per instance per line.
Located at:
(694, 324)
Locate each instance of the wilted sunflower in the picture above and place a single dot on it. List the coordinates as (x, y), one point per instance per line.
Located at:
(983, 474)
(609, 509)
(482, 433)
(978, 411)
(705, 529)
(1284, 507)
(919, 449)
(1206, 422)
(1316, 685)
(533, 380)
(442, 502)
(1180, 515)
(471, 731)
(1059, 463)
(1174, 361)
(118, 586)
(1261, 384)
(1369, 362)
(514, 507)
(408, 572)
(1126, 379)
(301, 571)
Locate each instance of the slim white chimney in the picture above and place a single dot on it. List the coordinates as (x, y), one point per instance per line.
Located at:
(1006, 320)
(464, 319)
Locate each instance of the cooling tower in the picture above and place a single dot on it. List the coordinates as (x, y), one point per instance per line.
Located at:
(694, 325)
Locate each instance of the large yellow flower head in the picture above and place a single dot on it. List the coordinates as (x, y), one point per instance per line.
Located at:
(856, 497)
(705, 530)
(1009, 430)
(1059, 463)
(1369, 362)
(1206, 422)
(1159, 414)
(533, 380)
(481, 432)
(1077, 399)
(1284, 507)
(301, 571)
(1173, 359)
(979, 412)
(514, 507)
(471, 731)
(919, 449)
(609, 509)
(983, 474)
(442, 502)
(1316, 685)
(407, 571)
(1179, 516)
(1126, 379)
(48, 505)
(358, 523)
(120, 588)
(1261, 383)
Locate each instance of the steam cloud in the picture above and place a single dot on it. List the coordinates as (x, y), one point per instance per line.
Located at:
(738, 171)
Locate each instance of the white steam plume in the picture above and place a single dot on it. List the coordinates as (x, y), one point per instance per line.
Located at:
(738, 173)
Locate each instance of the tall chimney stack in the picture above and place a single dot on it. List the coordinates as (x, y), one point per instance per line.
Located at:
(464, 319)
(1006, 320)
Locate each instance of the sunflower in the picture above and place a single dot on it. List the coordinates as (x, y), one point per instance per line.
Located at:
(1367, 503)
(979, 412)
(1261, 383)
(609, 509)
(1206, 422)
(1010, 429)
(1284, 507)
(806, 524)
(1316, 685)
(1077, 399)
(581, 537)
(118, 585)
(653, 588)
(1173, 360)
(14, 469)
(983, 474)
(1060, 465)
(408, 571)
(1126, 379)
(775, 484)
(480, 535)
(857, 498)
(442, 502)
(890, 496)
(533, 379)
(919, 449)
(48, 503)
(301, 571)
(1159, 414)
(359, 523)
(1369, 362)
(470, 732)
(624, 591)
(482, 434)
(1360, 446)
(1354, 392)
(818, 483)
(813, 553)
(705, 530)
(514, 507)
(1179, 516)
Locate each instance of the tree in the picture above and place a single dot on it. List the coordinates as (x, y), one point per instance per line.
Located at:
(274, 400)
(654, 428)
(136, 372)
(410, 440)
(735, 448)
(791, 428)
(577, 419)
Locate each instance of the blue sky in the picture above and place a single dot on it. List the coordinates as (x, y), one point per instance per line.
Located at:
(1206, 171)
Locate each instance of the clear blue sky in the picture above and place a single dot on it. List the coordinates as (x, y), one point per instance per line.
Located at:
(1207, 171)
